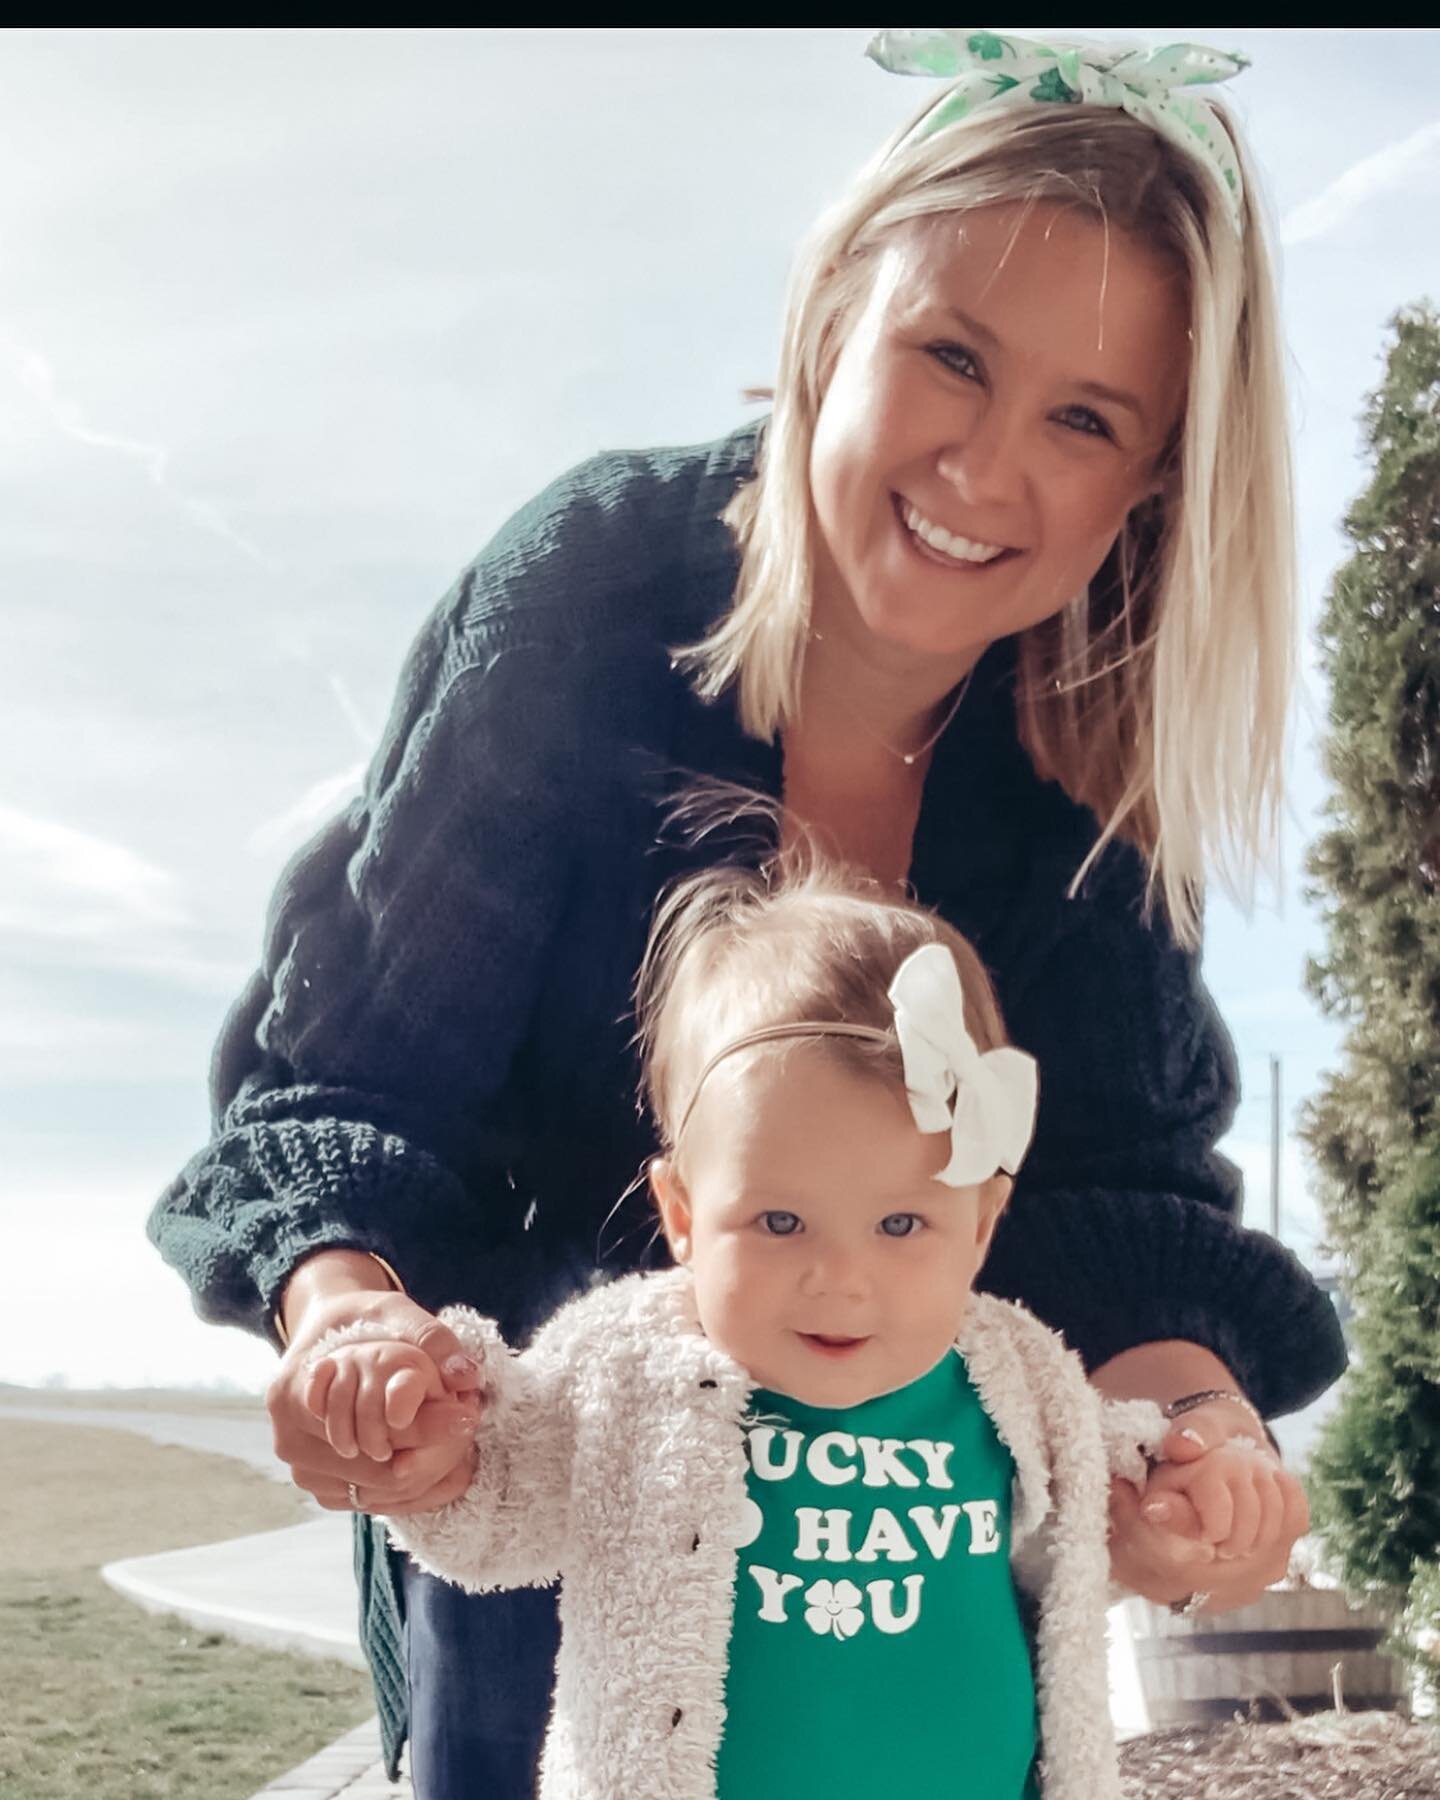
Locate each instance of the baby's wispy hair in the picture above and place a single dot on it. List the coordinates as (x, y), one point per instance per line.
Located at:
(797, 938)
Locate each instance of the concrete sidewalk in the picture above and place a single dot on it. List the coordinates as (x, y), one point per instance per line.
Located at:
(348, 1769)
(281, 1590)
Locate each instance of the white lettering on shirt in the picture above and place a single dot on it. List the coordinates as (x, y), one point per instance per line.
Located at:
(818, 1463)
(773, 1591)
(818, 1533)
(885, 1537)
(883, 1467)
(935, 1533)
(984, 1539)
(882, 1609)
(759, 1441)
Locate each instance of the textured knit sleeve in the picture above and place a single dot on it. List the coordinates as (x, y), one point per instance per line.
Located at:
(1124, 1226)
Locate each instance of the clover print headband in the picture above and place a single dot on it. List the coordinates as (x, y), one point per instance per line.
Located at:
(985, 1101)
(986, 70)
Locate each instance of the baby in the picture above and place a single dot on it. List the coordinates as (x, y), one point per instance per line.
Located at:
(830, 1523)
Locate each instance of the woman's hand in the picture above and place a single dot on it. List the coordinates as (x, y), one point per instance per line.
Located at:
(1214, 1520)
(432, 1457)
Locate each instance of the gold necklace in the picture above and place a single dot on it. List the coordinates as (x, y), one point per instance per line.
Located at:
(910, 757)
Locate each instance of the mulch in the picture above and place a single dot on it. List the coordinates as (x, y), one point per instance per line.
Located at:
(1329, 1756)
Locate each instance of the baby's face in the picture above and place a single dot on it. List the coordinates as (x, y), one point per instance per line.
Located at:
(828, 1260)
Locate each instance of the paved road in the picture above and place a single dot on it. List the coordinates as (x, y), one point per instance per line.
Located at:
(245, 1436)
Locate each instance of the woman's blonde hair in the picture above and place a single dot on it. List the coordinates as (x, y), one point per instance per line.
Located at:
(1159, 698)
(801, 939)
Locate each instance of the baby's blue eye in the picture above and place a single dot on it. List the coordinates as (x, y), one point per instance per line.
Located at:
(780, 1224)
(901, 1225)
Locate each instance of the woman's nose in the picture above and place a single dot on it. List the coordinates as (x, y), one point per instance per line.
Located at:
(986, 465)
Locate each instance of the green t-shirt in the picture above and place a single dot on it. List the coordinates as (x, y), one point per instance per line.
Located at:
(877, 1646)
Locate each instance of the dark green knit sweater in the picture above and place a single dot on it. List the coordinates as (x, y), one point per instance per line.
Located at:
(435, 1060)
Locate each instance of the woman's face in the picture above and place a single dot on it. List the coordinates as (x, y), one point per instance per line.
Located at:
(997, 407)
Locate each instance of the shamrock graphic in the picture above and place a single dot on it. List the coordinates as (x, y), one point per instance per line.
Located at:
(833, 1606)
(985, 45)
(1052, 86)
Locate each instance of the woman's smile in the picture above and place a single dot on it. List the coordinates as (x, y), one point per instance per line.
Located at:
(948, 548)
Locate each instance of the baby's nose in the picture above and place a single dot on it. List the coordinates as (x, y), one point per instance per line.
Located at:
(837, 1272)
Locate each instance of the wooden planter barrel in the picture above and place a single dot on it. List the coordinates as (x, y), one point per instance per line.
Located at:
(1202, 1670)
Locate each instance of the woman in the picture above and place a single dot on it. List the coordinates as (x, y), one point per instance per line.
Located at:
(998, 602)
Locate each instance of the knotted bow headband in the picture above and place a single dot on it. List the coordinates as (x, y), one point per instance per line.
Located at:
(986, 1101)
(986, 70)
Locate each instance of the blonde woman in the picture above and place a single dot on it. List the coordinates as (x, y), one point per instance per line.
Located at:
(998, 603)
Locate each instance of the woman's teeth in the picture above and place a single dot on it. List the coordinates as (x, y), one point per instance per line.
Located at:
(958, 548)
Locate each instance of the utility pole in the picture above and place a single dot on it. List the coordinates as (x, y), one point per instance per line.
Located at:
(1275, 1146)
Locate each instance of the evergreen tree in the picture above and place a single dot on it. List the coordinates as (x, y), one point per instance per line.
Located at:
(1374, 1129)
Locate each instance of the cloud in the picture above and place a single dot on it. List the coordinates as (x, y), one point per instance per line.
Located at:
(60, 882)
(319, 801)
(1374, 175)
(34, 373)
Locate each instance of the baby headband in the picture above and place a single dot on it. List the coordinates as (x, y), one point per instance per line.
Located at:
(985, 1101)
(987, 70)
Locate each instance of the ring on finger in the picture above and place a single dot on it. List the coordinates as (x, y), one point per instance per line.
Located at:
(353, 1494)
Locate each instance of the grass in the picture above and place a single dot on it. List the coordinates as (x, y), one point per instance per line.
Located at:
(104, 1701)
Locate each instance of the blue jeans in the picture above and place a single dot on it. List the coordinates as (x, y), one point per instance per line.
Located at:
(480, 1669)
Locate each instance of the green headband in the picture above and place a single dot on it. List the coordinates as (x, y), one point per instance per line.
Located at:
(986, 70)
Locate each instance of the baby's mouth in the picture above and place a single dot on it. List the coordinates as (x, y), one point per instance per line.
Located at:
(829, 1344)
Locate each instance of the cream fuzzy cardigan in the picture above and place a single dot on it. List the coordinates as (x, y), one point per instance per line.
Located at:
(611, 1451)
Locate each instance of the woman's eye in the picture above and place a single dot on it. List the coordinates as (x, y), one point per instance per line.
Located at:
(780, 1224)
(901, 1225)
(1087, 423)
(957, 359)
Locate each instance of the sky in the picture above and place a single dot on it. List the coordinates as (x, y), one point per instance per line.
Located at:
(289, 323)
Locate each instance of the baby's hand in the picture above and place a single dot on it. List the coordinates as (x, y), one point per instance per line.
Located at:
(1237, 1498)
(365, 1391)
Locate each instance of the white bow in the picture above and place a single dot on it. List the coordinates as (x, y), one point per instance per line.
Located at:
(986, 1103)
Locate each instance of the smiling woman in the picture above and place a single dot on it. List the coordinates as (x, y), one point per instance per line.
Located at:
(996, 604)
